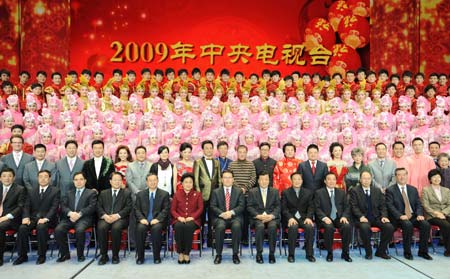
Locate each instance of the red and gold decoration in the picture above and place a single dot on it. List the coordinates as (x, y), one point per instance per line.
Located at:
(319, 32)
(354, 31)
(337, 11)
(9, 34)
(344, 58)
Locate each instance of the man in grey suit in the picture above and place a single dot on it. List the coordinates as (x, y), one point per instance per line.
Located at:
(30, 173)
(67, 166)
(313, 171)
(17, 159)
(382, 168)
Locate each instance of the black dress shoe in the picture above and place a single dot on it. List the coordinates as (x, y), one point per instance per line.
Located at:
(81, 259)
(408, 256)
(40, 260)
(115, 260)
(272, 259)
(157, 261)
(187, 262)
(259, 259)
(291, 258)
(218, 259)
(311, 259)
(447, 254)
(139, 261)
(103, 260)
(236, 259)
(63, 258)
(346, 257)
(329, 257)
(1, 261)
(383, 256)
(368, 256)
(426, 256)
(20, 260)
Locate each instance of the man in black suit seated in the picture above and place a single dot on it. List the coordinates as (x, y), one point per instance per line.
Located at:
(40, 214)
(264, 211)
(152, 212)
(113, 209)
(12, 200)
(312, 170)
(298, 209)
(368, 207)
(333, 211)
(405, 211)
(77, 212)
(227, 207)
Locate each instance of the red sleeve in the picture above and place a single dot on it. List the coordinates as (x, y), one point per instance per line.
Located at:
(199, 204)
(174, 207)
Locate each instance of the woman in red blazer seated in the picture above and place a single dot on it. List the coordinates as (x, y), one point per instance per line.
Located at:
(186, 211)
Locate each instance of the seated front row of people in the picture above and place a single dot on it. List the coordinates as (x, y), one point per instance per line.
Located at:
(365, 206)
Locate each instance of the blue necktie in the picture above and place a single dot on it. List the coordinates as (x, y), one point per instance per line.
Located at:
(333, 214)
(150, 208)
(77, 198)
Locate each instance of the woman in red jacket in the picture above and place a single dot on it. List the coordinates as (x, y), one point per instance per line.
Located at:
(186, 211)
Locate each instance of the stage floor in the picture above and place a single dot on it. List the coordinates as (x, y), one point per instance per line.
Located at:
(397, 267)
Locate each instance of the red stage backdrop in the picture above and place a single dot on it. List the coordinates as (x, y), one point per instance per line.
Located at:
(305, 35)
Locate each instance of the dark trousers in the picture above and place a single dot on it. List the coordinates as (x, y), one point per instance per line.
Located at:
(41, 234)
(184, 233)
(141, 234)
(260, 228)
(387, 230)
(293, 235)
(80, 236)
(116, 229)
(344, 229)
(220, 225)
(206, 219)
(4, 226)
(444, 226)
(408, 230)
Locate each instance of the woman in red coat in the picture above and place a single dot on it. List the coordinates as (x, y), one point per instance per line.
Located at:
(186, 211)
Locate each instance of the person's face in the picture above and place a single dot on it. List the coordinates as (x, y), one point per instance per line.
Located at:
(123, 154)
(117, 77)
(187, 184)
(120, 137)
(371, 78)
(431, 93)
(227, 179)
(140, 155)
(16, 144)
(196, 76)
(434, 150)
(208, 150)
(297, 181)
(98, 149)
(71, 150)
(365, 179)
(56, 79)
(419, 79)
(164, 154)
(116, 182)
(152, 182)
(223, 150)
(357, 158)
(443, 162)
(43, 179)
(263, 181)
(402, 177)
(264, 151)
(436, 179)
(381, 151)
(186, 154)
(7, 90)
(79, 181)
(398, 151)
(417, 146)
(24, 78)
(158, 77)
(7, 178)
(347, 140)
(209, 76)
(242, 154)
(330, 181)
(406, 79)
(433, 80)
(98, 79)
(41, 78)
(300, 95)
(131, 77)
(39, 154)
(306, 79)
(337, 152)
(313, 154)
(289, 152)
(350, 77)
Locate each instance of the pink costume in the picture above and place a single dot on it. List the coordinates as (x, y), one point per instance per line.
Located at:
(348, 141)
(421, 164)
(323, 143)
(208, 131)
(369, 110)
(16, 114)
(194, 140)
(95, 133)
(296, 137)
(5, 133)
(422, 129)
(30, 133)
(293, 109)
(46, 138)
(119, 133)
(335, 113)
(275, 152)
(132, 134)
(444, 139)
(255, 109)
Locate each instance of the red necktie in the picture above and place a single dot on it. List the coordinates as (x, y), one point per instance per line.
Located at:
(227, 200)
(313, 167)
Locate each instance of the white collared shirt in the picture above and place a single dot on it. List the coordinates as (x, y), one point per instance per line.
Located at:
(115, 191)
(98, 165)
(72, 161)
(17, 157)
(366, 190)
(209, 165)
(42, 188)
(39, 164)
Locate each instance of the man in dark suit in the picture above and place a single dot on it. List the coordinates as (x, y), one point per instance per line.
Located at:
(333, 211)
(17, 159)
(368, 207)
(264, 162)
(77, 211)
(264, 210)
(98, 169)
(12, 200)
(227, 207)
(31, 170)
(67, 166)
(207, 178)
(39, 213)
(405, 211)
(152, 213)
(298, 209)
(313, 171)
(113, 209)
